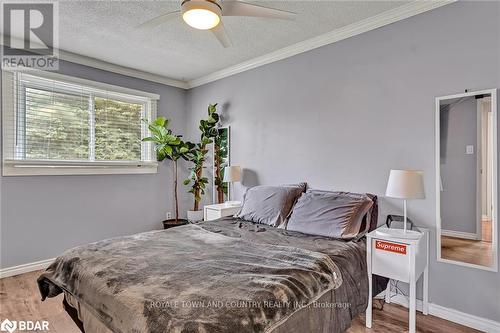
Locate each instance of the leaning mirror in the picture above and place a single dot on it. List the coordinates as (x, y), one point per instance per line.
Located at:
(466, 179)
(221, 160)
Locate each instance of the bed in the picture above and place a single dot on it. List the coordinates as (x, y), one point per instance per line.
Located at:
(228, 275)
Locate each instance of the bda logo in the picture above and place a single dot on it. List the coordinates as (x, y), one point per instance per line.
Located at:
(24, 325)
(8, 325)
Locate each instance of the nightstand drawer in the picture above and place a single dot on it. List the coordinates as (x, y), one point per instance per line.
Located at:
(391, 259)
(212, 214)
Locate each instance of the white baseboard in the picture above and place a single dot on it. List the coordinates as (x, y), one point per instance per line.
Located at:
(26, 268)
(459, 234)
(462, 318)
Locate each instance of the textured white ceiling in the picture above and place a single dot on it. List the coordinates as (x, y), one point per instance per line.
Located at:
(105, 30)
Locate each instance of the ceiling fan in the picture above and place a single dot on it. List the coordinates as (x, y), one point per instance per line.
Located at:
(207, 15)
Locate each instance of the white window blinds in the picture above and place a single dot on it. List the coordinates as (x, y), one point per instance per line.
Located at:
(54, 122)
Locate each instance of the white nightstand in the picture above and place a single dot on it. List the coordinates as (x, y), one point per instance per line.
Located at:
(213, 212)
(400, 259)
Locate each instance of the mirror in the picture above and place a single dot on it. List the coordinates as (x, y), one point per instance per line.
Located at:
(466, 179)
(221, 160)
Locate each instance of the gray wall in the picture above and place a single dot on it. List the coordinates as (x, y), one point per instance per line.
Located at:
(458, 170)
(342, 115)
(41, 216)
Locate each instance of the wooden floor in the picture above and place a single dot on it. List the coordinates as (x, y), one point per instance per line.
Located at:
(20, 300)
(486, 230)
(467, 250)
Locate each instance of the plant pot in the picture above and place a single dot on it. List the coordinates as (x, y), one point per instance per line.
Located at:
(195, 215)
(173, 223)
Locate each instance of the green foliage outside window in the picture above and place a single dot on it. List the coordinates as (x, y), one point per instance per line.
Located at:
(57, 127)
(117, 130)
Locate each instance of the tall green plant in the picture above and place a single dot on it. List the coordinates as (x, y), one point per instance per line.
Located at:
(198, 153)
(168, 146)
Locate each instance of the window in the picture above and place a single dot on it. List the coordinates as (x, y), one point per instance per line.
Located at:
(54, 124)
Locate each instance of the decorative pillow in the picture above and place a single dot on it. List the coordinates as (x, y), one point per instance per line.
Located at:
(331, 214)
(370, 219)
(270, 205)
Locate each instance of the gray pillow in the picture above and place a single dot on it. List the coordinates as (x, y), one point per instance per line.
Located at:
(368, 217)
(331, 214)
(270, 205)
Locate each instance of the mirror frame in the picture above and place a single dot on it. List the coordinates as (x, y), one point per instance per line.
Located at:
(214, 188)
(494, 224)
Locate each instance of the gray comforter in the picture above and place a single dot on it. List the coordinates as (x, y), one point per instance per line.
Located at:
(223, 276)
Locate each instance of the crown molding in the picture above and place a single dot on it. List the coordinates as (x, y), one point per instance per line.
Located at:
(110, 67)
(114, 68)
(371, 23)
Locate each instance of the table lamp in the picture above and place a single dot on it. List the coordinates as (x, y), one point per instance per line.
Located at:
(405, 184)
(232, 174)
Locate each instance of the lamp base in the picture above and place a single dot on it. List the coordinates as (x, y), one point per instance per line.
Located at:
(399, 233)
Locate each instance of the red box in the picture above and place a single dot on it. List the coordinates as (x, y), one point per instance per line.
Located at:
(391, 247)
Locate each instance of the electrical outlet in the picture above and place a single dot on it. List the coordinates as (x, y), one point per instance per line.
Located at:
(168, 215)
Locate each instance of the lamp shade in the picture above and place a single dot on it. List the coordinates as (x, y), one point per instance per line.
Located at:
(405, 184)
(232, 173)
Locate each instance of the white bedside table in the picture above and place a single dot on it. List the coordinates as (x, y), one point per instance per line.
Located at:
(213, 212)
(400, 259)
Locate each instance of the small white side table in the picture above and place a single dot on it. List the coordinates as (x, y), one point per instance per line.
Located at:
(400, 259)
(214, 212)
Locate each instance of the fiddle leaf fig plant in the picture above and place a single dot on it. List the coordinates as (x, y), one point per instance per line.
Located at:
(198, 182)
(197, 155)
(168, 146)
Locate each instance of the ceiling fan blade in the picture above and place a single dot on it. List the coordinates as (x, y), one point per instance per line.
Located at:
(220, 32)
(238, 8)
(159, 20)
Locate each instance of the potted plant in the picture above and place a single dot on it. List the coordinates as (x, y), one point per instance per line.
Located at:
(171, 147)
(197, 155)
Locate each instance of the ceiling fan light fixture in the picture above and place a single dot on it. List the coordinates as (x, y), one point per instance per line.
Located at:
(202, 15)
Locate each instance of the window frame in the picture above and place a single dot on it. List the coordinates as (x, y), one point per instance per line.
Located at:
(13, 162)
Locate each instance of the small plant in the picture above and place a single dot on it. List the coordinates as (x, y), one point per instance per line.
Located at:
(168, 146)
(197, 155)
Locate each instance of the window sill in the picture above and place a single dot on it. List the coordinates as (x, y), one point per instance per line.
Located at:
(56, 168)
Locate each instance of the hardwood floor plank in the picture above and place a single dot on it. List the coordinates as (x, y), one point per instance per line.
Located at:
(486, 231)
(466, 250)
(20, 300)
